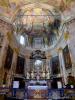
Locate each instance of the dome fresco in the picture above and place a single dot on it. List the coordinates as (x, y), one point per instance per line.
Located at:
(9, 8)
(38, 22)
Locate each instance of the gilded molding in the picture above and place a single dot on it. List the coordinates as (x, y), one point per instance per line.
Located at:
(66, 36)
(17, 50)
(9, 36)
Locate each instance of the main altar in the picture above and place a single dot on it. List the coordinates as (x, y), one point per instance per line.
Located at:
(38, 90)
(39, 67)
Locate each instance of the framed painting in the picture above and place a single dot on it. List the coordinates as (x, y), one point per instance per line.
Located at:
(55, 65)
(8, 60)
(67, 58)
(20, 65)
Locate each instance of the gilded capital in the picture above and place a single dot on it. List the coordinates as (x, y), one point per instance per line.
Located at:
(59, 49)
(9, 36)
(66, 35)
(17, 50)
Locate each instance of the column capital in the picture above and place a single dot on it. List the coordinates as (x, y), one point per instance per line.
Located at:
(59, 49)
(9, 36)
(66, 36)
(17, 50)
(27, 56)
(48, 56)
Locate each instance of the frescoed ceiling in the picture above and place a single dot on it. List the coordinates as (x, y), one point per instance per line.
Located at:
(40, 20)
(9, 8)
(35, 20)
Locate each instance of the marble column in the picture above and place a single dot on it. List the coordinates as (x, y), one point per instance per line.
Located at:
(62, 66)
(14, 62)
(48, 64)
(73, 69)
(3, 52)
(48, 68)
(13, 68)
(72, 56)
(2, 58)
(27, 66)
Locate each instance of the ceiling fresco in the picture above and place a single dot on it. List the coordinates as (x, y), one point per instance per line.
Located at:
(9, 8)
(41, 24)
(38, 21)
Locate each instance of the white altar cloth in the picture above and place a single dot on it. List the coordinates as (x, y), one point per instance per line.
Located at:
(37, 87)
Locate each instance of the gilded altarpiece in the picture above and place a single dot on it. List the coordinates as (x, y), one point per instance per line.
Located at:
(38, 68)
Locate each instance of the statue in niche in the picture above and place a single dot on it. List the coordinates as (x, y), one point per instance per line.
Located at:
(37, 77)
(48, 75)
(28, 75)
(43, 74)
(32, 74)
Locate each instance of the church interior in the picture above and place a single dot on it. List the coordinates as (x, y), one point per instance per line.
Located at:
(37, 43)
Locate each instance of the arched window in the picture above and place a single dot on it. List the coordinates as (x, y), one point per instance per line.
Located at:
(22, 40)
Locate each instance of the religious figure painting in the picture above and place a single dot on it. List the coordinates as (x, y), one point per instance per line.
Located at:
(55, 65)
(8, 60)
(20, 65)
(67, 58)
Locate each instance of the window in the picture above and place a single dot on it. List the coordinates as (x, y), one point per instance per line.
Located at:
(38, 42)
(38, 62)
(22, 40)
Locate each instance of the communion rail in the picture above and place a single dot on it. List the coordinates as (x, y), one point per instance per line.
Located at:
(23, 94)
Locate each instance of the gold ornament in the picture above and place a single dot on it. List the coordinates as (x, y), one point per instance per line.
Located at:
(66, 35)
